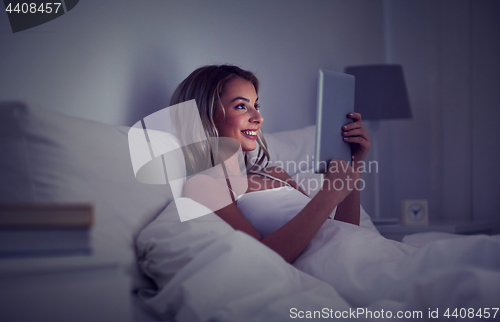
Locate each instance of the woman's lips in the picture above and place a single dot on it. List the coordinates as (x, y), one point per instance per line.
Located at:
(251, 134)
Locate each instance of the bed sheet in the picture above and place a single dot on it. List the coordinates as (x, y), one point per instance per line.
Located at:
(205, 271)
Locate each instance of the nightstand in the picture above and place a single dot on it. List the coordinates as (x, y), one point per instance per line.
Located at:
(62, 289)
(397, 232)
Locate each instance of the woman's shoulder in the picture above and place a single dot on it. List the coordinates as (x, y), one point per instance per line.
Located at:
(200, 178)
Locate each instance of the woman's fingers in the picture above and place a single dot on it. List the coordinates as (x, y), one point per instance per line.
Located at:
(356, 132)
(355, 128)
(355, 116)
(358, 139)
(354, 125)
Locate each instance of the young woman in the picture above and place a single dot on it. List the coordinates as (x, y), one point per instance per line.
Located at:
(269, 205)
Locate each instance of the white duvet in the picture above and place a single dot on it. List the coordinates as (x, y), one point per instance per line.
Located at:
(206, 271)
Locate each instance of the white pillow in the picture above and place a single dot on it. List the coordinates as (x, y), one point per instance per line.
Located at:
(48, 157)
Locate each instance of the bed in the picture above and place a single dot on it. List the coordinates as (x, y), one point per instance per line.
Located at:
(203, 270)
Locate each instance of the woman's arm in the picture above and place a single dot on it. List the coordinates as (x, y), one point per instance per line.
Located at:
(349, 210)
(291, 239)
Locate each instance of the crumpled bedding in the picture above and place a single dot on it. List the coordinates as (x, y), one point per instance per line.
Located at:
(364, 267)
(203, 270)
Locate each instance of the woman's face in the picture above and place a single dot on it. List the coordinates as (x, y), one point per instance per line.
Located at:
(242, 119)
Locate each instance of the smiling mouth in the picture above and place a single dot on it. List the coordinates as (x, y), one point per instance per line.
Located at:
(252, 135)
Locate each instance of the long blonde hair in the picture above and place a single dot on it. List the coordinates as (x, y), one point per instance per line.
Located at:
(206, 86)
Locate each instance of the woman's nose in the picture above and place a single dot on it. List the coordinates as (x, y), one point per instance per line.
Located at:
(256, 117)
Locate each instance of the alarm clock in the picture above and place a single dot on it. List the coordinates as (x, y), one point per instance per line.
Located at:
(415, 212)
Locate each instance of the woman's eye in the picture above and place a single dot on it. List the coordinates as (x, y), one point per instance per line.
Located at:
(257, 107)
(240, 106)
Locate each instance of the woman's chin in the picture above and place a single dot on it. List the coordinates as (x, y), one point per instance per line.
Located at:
(248, 148)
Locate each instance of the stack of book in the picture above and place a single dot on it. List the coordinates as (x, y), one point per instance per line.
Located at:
(45, 229)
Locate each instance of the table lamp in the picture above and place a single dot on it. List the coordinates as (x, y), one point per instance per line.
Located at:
(380, 94)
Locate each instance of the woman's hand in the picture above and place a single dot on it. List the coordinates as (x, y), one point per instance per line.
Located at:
(355, 133)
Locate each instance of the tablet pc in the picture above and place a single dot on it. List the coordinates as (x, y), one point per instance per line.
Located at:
(335, 101)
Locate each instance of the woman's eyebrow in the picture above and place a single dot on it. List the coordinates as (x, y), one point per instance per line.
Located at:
(240, 98)
(243, 99)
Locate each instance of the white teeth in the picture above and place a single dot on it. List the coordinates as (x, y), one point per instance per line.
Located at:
(250, 132)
